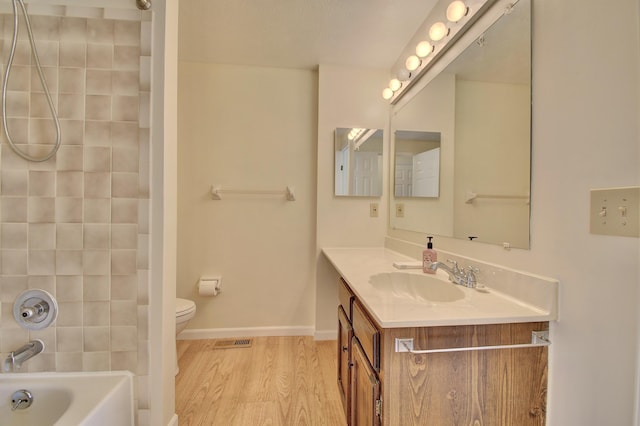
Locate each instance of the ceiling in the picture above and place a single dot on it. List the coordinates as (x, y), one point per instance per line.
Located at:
(298, 33)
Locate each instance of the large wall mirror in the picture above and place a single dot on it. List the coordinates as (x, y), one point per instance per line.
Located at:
(479, 106)
(358, 162)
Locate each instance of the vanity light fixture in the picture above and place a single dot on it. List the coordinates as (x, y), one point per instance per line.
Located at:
(459, 14)
(438, 31)
(395, 84)
(355, 133)
(387, 94)
(424, 49)
(413, 62)
(456, 11)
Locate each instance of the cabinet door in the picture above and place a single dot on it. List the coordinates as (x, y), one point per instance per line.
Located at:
(345, 333)
(366, 405)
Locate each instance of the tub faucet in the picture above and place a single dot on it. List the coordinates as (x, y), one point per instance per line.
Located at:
(16, 358)
(457, 275)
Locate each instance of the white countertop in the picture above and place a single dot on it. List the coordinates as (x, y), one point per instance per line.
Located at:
(487, 306)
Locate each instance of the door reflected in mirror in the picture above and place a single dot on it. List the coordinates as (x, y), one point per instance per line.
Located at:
(358, 162)
(417, 168)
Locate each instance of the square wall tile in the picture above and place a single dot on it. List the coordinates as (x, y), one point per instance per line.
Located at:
(97, 210)
(14, 209)
(69, 288)
(96, 313)
(71, 80)
(96, 339)
(42, 210)
(97, 262)
(124, 236)
(69, 158)
(72, 131)
(69, 210)
(69, 262)
(97, 185)
(124, 210)
(96, 361)
(69, 339)
(73, 54)
(10, 288)
(42, 184)
(99, 56)
(124, 287)
(14, 262)
(42, 262)
(70, 315)
(97, 159)
(73, 29)
(14, 236)
(42, 236)
(97, 236)
(69, 184)
(98, 133)
(97, 288)
(69, 236)
(15, 183)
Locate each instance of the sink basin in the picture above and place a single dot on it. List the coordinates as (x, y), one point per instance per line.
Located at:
(420, 287)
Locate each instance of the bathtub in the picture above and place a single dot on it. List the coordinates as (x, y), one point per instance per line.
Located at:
(65, 399)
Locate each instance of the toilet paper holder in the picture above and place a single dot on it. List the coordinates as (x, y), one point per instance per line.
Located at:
(209, 286)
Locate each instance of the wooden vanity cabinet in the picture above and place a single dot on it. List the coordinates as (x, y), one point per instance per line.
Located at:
(495, 387)
(345, 334)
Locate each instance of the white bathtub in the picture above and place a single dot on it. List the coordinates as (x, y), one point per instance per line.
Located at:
(69, 399)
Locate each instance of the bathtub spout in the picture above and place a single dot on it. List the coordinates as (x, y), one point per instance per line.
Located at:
(16, 358)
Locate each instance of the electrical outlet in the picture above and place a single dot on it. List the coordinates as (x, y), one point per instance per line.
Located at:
(373, 210)
(400, 210)
(615, 211)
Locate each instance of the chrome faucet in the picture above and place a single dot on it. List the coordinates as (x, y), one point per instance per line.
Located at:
(457, 275)
(16, 358)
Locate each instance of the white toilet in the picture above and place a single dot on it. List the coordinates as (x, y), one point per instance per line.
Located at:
(185, 310)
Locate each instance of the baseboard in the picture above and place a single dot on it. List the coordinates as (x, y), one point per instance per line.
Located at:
(325, 335)
(217, 333)
(173, 421)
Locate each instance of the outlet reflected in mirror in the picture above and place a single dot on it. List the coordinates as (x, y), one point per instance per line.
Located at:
(358, 162)
(417, 164)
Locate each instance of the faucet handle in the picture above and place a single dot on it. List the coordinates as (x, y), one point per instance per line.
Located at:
(471, 279)
(456, 270)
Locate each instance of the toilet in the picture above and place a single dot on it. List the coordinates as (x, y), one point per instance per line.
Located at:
(185, 310)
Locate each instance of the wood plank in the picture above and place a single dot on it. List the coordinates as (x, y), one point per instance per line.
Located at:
(278, 381)
(491, 387)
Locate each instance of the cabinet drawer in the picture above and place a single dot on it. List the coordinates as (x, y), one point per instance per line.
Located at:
(367, 334)
(345, 298)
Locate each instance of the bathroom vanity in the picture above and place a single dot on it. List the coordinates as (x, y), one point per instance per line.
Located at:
(419, 350)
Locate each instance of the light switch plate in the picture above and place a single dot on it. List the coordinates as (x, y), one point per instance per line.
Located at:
(373, 210)
(615, 211)
(399, 210)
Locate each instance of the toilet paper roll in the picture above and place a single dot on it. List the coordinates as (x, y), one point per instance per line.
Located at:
(208, 288)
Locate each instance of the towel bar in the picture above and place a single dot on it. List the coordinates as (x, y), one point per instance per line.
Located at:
(538, 339)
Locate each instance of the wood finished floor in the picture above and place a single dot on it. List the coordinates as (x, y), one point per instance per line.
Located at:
(278, 381)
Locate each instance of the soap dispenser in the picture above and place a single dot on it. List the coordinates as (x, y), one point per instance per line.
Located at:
(429, 255)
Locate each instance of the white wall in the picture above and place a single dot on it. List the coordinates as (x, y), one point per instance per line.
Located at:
(347, 97)
(585, 135)
(247, 128)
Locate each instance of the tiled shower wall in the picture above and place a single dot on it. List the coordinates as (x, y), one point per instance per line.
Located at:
(78, 225)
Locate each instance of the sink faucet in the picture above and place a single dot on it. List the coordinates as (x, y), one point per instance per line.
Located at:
(457, 275)
(16, 358)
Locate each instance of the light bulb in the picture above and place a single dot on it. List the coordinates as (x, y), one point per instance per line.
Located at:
(456, 11)
(404, 74)
(413, 62)
(424, 49)
(387, 93)
(394, 84)
(438, 31)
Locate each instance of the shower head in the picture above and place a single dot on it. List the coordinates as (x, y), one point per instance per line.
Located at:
(143, 4)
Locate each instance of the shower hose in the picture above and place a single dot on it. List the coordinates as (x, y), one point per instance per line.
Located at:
(42, 81)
